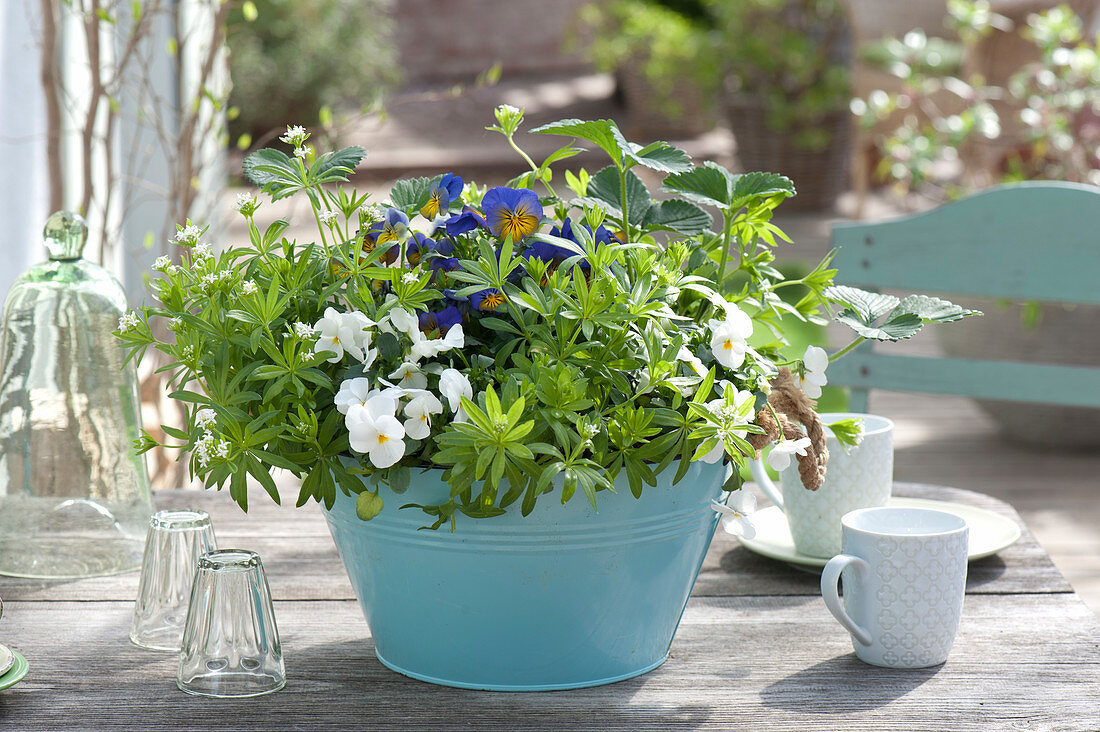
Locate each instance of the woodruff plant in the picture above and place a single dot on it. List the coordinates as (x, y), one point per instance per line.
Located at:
(529, 340)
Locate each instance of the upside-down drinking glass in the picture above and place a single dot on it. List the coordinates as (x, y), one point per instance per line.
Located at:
(230, 642)
(173, 545)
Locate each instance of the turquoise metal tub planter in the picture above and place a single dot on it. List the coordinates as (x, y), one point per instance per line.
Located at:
(564, 598)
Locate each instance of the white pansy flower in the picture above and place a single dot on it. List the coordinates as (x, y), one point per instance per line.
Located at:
(816, 361)
(411, 377)
(736, 512)
(454, 385)
(424, 348)
(780, 456)
(128, 321)
(419, 411)
(327, 216)
(729, 337)
(205, 417)
(405, 322)
(686, 356)
(345, 333)
(373, 429)
(352, 391)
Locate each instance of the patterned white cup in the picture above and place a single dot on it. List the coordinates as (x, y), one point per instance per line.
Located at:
(856, 477)
(904, 573)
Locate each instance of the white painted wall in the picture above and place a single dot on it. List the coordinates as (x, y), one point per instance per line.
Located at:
(23, 190)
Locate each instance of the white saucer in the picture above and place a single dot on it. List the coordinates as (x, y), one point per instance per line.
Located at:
(989, 532)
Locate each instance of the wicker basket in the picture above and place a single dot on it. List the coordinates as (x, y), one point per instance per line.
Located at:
(678, 114)
(819, 176)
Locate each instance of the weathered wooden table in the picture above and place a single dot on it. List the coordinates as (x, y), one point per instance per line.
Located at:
(756, 650)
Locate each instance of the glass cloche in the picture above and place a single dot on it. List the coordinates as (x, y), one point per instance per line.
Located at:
(74, 496)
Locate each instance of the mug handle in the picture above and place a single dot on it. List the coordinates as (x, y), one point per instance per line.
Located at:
(771, 490)
(830, 580)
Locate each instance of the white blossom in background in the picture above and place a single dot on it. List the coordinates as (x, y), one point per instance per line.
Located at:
(816, 361)
(780, 456)
(327, 216)
(736, 513)
(202, 252)
(419, 412)
(345, 333)
(373, 429)
(162, 264)
(303, 151)
(304, 330)
(249, 287)
(411, 377)
(430, 348)
(128, 321)
(409, 277)
(729, 337)
(454, 385)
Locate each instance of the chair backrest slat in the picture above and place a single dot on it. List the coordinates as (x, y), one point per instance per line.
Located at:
(1029, 241)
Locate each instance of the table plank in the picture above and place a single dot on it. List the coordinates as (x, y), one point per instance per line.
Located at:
(777, 663)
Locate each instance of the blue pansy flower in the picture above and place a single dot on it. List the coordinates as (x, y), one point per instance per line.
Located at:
(373, 237)
(490, 299)
(444, 264)
(394, 226)
(555, 255)
(442, 321)
(466, 221)
(442, 194)
(417, 246)
(514, 212)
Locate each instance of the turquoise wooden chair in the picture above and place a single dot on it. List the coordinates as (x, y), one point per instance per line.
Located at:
(1036, 241)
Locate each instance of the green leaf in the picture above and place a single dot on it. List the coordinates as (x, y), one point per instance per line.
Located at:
(679, 216)
(368, 505)
(606, 187)
(751, 187)
(896, 328)
(262, 166)
(604, 133)
(933, 309)
(661, 156)
(709, 184)
(411, 193)
(338, 165)
(868, 306)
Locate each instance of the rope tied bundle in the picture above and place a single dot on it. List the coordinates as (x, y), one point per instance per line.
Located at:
(795, 411)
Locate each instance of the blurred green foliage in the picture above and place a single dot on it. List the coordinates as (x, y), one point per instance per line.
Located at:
(291, 58)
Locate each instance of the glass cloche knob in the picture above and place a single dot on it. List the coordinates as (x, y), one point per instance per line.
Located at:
(65, 235)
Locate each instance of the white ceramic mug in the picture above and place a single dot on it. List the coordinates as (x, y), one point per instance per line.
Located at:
(904, 572)
(859, 476)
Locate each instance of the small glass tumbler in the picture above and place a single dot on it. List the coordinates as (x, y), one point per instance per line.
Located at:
(173, 545)
(230, 642)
